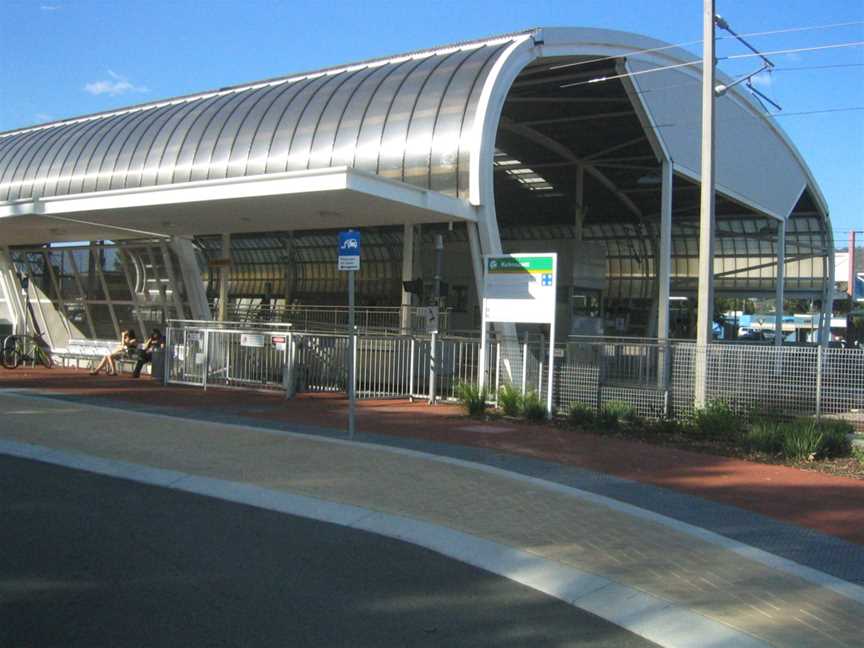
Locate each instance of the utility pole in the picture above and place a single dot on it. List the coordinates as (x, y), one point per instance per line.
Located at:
(706, 211)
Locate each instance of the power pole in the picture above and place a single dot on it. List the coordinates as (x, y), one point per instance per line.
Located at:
(706, 212)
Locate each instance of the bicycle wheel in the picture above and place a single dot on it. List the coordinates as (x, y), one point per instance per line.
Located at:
(10, 358)
(44, 357)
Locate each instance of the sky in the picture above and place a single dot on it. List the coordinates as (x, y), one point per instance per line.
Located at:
(64, 58)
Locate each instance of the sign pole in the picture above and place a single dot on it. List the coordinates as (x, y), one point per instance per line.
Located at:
(351, 354)
(348, 260)
(551, 348)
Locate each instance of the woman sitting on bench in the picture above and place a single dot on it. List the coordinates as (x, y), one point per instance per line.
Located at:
(128, 344)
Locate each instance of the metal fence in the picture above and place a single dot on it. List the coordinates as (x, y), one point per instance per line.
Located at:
(655, 377)
(405, 319)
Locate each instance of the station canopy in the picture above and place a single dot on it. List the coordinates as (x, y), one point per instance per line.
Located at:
(493, 129)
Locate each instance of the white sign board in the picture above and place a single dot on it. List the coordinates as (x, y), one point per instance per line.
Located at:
(254, 340)
(520, 288)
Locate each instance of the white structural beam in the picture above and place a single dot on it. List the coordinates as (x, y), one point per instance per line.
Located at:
(11, 288)
(779, 288)
(705, 304)
(664, 265)
(196, 293)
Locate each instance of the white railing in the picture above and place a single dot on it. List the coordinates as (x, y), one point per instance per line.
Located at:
(655, 377)
(399, 319)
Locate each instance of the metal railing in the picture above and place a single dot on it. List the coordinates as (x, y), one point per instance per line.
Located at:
(656, 377)
(401, 319)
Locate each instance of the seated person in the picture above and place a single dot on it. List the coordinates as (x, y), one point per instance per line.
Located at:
(145, 355)
(128, 344)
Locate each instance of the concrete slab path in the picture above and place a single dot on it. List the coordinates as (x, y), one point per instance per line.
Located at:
(655, 578)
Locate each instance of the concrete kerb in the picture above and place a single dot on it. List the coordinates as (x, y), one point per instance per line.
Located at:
(324, 435)
(643, 614)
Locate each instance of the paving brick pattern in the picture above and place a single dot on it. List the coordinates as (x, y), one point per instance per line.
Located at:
(772, 605)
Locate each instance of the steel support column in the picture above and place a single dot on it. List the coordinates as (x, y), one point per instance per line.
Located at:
(224, 273)
(407, 275)
(779, 288)
(664, 264)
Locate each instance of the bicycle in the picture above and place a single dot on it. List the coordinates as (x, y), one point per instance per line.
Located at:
(19, 349)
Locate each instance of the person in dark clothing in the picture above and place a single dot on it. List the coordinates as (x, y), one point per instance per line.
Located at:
(145, 354)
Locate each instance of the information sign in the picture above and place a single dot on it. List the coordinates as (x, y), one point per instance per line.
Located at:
(349, 250)
(520, 288)
(255, 340)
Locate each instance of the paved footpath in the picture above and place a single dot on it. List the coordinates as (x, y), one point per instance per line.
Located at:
(655, 577)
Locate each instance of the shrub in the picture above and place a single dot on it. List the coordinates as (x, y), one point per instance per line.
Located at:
(764, 436)
(533, 408)
(510, 400)
(581, 415)
(472, 398)
(858, 453)
(836, 441)
(717, 421)
(801, 440)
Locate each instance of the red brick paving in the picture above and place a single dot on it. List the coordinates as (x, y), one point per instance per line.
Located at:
(833, 505)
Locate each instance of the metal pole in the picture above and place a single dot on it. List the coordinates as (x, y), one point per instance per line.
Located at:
(781, 274)
(351, 354)
(205, 368)
(818, 381)
(664, 273)
(439, 262)
(706, 217)
(432, 368)
(223, 278)
(524, 365)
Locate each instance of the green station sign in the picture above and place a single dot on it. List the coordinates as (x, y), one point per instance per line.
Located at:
(515, 264)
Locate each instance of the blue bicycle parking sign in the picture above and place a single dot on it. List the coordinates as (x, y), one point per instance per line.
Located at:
(349, 250)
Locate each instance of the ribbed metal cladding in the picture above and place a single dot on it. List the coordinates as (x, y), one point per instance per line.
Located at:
(406, 119)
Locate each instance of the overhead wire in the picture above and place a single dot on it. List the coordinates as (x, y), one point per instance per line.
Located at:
(648, 50)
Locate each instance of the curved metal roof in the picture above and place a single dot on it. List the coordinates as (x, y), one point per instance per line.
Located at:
(405, 119)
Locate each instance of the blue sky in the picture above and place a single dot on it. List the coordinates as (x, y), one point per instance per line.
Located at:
(62, 58)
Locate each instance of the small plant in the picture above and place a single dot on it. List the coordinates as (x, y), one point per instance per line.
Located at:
(581, 415)
(510, 400)
(621, 410)
(858, 454)
(836, 440)
(665, 425)
(472, 398)
(717, 421)
(802, 440)
(764, 436)
(533, 408)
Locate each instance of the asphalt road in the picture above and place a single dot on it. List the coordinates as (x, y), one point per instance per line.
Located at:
(87, 560)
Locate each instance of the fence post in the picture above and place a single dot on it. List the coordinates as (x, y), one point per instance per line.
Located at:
(524, 366)
(540, 378)
(818, 380)
(497, 369)
(411, 372)
(206, 368)
(433, 369)
(288, 380)
(166, 360)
